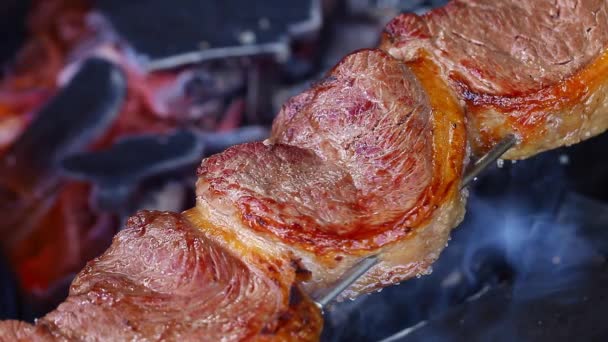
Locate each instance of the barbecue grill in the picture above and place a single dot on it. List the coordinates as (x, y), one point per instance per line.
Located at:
(528, 263)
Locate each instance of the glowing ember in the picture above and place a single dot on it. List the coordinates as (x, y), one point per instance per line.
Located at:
(63, 33)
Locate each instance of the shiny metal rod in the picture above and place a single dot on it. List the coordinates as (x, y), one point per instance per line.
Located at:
(482, 163)
(352, 275)
(348, 279)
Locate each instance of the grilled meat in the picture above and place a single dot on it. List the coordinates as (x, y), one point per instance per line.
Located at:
(364, 162)
(162, 279)
(533, 68)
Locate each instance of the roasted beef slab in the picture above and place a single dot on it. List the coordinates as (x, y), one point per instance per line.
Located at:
(534, 68)
(367, 161)
(162, 279)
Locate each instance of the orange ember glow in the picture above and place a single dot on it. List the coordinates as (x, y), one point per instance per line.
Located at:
(70, 232)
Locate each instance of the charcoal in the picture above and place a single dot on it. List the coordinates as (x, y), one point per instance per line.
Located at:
(194, 30)
(69, 122)
(117, 171)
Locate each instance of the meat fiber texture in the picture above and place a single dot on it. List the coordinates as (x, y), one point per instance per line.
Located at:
(538, 69)
(162, 279)
(365, 162)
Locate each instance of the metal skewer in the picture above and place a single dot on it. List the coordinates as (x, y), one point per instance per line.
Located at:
(348, 279)
(482, 163)
(352, 275)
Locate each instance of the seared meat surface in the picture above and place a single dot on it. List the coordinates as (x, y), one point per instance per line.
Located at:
(363, 162)
(533, 68)
(162, 279)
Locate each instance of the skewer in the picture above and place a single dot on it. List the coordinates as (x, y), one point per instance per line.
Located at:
(482, 163)
(367, 263)
(351, 276)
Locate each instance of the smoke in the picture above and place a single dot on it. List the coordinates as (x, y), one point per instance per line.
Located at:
(531, 251)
